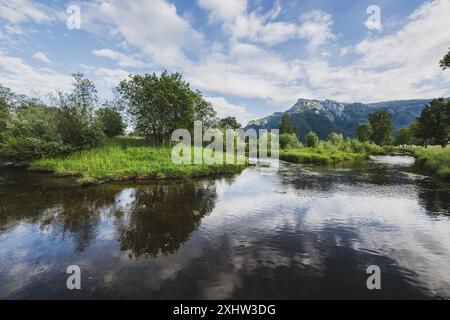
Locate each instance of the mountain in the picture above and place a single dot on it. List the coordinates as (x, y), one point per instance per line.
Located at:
(324, 117)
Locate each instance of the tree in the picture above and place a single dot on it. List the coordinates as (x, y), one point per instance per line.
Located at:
(311, 140)
(382, 125)
(229, 123)
(335, 138)
(286, 125)
(404, 136)
(77, 123)
(434, 123)
(4, 110)
(288, 141)
(445, 62)
(111, 121)
(32, 133)
(157, 105)
(364, 132)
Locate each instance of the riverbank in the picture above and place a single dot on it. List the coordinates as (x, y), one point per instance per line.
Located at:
(434, 160)
(127, 158)
(326, 153)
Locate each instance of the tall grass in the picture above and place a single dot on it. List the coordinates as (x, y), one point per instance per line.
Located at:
(126, 158)
(327, 152)
(434, 160)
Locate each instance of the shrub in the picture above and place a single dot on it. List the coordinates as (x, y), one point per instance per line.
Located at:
(32, 133)
(288, 141)
(311, 140)
(111, 122)
(335, 138)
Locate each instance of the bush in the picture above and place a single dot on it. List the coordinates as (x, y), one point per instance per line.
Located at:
(31, 134)
(311, 140)
(336, 138)
(111, 122)
(288, 141)
(77, 124)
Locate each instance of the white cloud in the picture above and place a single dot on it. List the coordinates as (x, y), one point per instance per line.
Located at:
(224, 10)
(227, 109)
(20, 76)
(122, 59)
(41, 57)
(314, 26)
(18, 11)
(152, 26)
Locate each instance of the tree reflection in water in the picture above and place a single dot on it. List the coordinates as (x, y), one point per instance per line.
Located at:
(149, 219)
(163, 217)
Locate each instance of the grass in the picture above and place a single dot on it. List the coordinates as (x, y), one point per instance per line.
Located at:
(327, 153)
(315, 156)
(127, 158)
(434, 160)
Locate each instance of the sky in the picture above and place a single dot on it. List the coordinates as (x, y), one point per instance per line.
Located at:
(248, 58)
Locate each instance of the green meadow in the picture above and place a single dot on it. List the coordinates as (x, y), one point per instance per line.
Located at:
(127, 158)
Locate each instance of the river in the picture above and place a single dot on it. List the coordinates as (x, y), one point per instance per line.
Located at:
(305, 232)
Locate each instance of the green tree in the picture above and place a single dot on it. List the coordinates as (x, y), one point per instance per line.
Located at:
(229, 123)
(445, 62)
(336, 138)
(7, 104)
(286, 125)
(32, 133)
(382, 125)
(157, 105)
(434, 123)
(111, 121)
(364, 132)
(311, 140)
(76, 119)
(404, 136)
(288, 141)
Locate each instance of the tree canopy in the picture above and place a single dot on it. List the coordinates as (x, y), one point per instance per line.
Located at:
(157, 105)
(382, 125)
(229, 123)
(433, 125)
(364, 132)
(445, 62)
(286, 125)
(311, 140)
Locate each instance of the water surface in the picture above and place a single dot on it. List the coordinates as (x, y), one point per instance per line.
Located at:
(305, 232)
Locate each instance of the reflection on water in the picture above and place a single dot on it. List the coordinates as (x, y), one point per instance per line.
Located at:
(307, 232)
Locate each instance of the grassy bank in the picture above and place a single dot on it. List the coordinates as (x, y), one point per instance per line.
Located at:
(126, 158)
(433, 160)
(327, 153)
(316, 156)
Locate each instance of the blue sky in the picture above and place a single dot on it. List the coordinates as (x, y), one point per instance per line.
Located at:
(249, 58)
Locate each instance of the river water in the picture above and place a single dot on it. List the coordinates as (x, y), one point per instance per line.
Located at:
(304, 232)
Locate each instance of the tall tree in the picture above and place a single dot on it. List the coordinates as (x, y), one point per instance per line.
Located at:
(229, 123)
(5, 96)
(434, 123)
(77, 122)
(157, 105)
(445, 62)
(311, 140)
(286, 125)
(382, 125)
(404, 137)
(111, 121)
(364, 132)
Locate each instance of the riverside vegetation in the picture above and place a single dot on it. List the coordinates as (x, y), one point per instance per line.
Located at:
(77, 135)
(127, 158)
